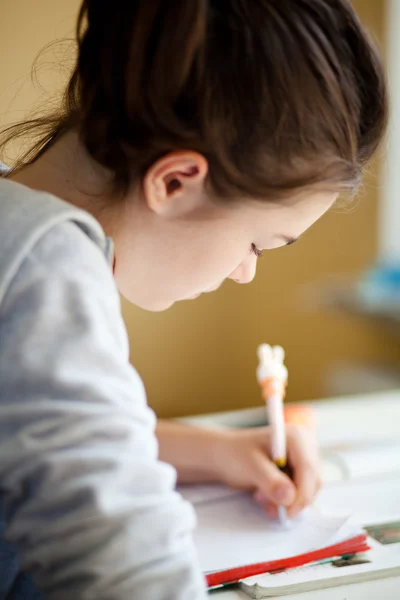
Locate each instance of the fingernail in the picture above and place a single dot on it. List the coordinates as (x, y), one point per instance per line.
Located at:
(296, 510)
(284, 495)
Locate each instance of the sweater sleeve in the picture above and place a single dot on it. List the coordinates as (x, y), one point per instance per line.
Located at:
(92, 511)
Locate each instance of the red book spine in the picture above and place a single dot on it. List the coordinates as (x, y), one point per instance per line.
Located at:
(354, 545)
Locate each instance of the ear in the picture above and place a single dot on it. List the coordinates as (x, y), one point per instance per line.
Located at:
(174, 185)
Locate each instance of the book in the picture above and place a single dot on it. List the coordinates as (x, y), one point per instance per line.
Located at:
(376, 564)
(235, 538)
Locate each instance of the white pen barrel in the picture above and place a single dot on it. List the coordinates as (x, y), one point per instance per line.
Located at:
(276, 420)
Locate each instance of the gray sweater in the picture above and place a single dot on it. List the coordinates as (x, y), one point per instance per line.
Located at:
(92, 512)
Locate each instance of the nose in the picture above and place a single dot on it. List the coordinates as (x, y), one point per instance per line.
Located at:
(246, 271)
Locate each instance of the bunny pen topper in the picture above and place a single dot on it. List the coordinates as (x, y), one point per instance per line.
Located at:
(272, 375)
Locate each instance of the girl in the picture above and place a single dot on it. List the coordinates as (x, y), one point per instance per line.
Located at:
(192, 136)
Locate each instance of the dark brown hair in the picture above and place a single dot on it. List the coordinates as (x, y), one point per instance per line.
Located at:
(276, 94)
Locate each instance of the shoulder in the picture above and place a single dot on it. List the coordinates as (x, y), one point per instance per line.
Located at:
(31, 212)
(65, 259)
(66, 245)
(39, 228)
(65, 284)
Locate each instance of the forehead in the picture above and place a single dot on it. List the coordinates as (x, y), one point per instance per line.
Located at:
(302, 209)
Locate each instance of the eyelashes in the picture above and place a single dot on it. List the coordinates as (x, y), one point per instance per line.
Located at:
(256, 251)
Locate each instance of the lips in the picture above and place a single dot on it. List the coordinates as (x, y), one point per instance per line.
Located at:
(204, 292)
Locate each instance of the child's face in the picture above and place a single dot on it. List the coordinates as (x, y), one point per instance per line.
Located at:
(176, 244)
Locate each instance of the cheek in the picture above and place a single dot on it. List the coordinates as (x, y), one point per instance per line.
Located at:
(224, 257)
(203, 266)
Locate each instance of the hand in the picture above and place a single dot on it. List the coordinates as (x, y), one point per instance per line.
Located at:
(243, 462)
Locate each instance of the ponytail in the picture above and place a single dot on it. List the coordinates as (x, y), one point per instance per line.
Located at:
(277, 95)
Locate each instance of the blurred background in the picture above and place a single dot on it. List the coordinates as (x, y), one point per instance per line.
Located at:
(332, 300)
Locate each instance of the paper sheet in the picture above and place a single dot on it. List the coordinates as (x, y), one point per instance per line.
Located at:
(234, 531)
(370, 501)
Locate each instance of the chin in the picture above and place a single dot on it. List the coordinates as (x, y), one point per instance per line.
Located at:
(158, 306)
(151, 306)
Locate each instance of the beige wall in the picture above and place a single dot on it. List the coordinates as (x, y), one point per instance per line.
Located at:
(26, 27)
(200, 356)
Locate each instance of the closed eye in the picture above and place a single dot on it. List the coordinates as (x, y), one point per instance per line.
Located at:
(289, 240)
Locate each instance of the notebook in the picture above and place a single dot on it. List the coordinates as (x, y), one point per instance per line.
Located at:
(236, 539)
(376, 564)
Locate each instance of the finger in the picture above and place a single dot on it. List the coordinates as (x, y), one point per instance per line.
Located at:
(303, 457)
(272, 511)
(266, 505)
(272, 484)
(308, 486)
(299, 506)
(302, 446)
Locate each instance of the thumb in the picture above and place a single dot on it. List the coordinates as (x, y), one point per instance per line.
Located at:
(272, 486)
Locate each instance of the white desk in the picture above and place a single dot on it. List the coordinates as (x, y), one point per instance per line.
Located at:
(368, 417)
(362, 418)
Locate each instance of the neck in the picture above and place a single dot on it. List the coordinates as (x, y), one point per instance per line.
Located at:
(67, 171)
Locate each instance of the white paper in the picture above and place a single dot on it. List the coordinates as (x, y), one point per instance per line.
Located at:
(199, 494)
(234, 531)
(370, 501)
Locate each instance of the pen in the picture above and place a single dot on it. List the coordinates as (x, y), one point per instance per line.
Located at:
(272, 376)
